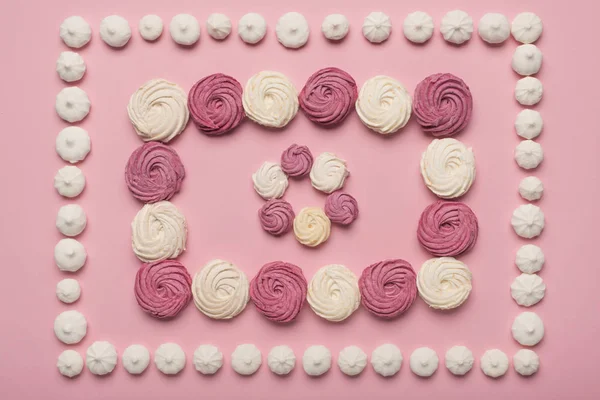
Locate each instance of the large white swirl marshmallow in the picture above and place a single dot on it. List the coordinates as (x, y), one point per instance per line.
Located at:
(220, 290)
(270, 99)
(448, 168)
(328, 173)
(158, 232)
(158, 110)
(311, 226)
(444, 283)
(383, 104)
(270, 182)
(333, 293)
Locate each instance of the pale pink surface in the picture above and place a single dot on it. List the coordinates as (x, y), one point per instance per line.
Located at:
(220, 205)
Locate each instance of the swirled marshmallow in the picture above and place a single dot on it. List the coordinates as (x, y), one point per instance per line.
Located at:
(316, 360)
(281, 360)
(388, 288)
(527, 60)
(531, 188)
(252, 27)
(115, 31)
(457, 27)
(101, 358)
(70, 327)
(158, 232)
(169, 358)
(528, 289)
(276, 217)
(335, 26)
(69, 363)
(278, 291)
(69, 255)
(270, 99)
(218, 26)
(328, 96)
(528, 221)
(70, 66)
(292, 30)
(69, 181)
(136, 359)
(386, 360)
(73, 144)
(71, 220)
(158, 110)
(383, 104)
(75, 32)
(377, 27)
(246, 359)
(494, 28)
(529, 124)
(494, 363)
(418, 27)
(352, 360)
(150, 27)
(526, 362)
(270, 182)
(311, 226)
(341, 208)
(208, 359)
(184, 29)
(528, 329)
(68, 290)
(220, 290)
(328, 173)
(443, 104)
(163, 288)
(529, 154)
(424, 362)
(448, 168)
(459, 360)
(72, 104)
(444, 283)
(529, 259)
(296, 161)
(526, 27)
(333, 293)
(529, 91)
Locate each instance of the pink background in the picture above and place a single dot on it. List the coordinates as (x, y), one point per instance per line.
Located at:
(220, 205)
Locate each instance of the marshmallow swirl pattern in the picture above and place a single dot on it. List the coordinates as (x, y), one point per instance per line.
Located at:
(215, 104)
(447, 228)
(158, 232)
(443, 104)
(158, 110)
(296, 161)
(220, 290)
(163, 288)
(341, 208)
(311, 226)
(388, 288)
(333, 293)
(276, 217)
(270, 99)
(328, 173)
(444, 283)
(270, 182)
(448, 168)
(328, 96)
(278, 291)
(154, 172)
(384, 105)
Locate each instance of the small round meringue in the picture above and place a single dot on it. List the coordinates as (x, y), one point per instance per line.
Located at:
(316, 360)
(528, 328)
(101, 358)
(377, 27)
(252, 28)
(73, 144)
(270, 182)
(115, 31)
(69, 255)
(150, 27)
(528, 221)
(529, 124)
(528, 289)
(494, 363)
(531, 188)
(70, 66)
(208, 359)
(68, 290)
(246, 359)
(328, 173)
(69, 363)
(529, 154)
(459, 360)
(418, 27)
(169, 358)
(72, 104)
(70, 327)
(424, 362)
(184, 29)
(218, 26)
(386, 360)
(529, 91)
(352, 360)
(71, 220)
(69, 181)
(527, 60)
(526, 362)
(526, 27)
(136, 359)
(457, 27)
(292, 30)
(494, 28)
(281, 360)
(75, 32)
(335, 26)
(530, 259)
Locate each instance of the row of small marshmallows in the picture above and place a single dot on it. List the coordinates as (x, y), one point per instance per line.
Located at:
(292, 28)
(246, 359)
